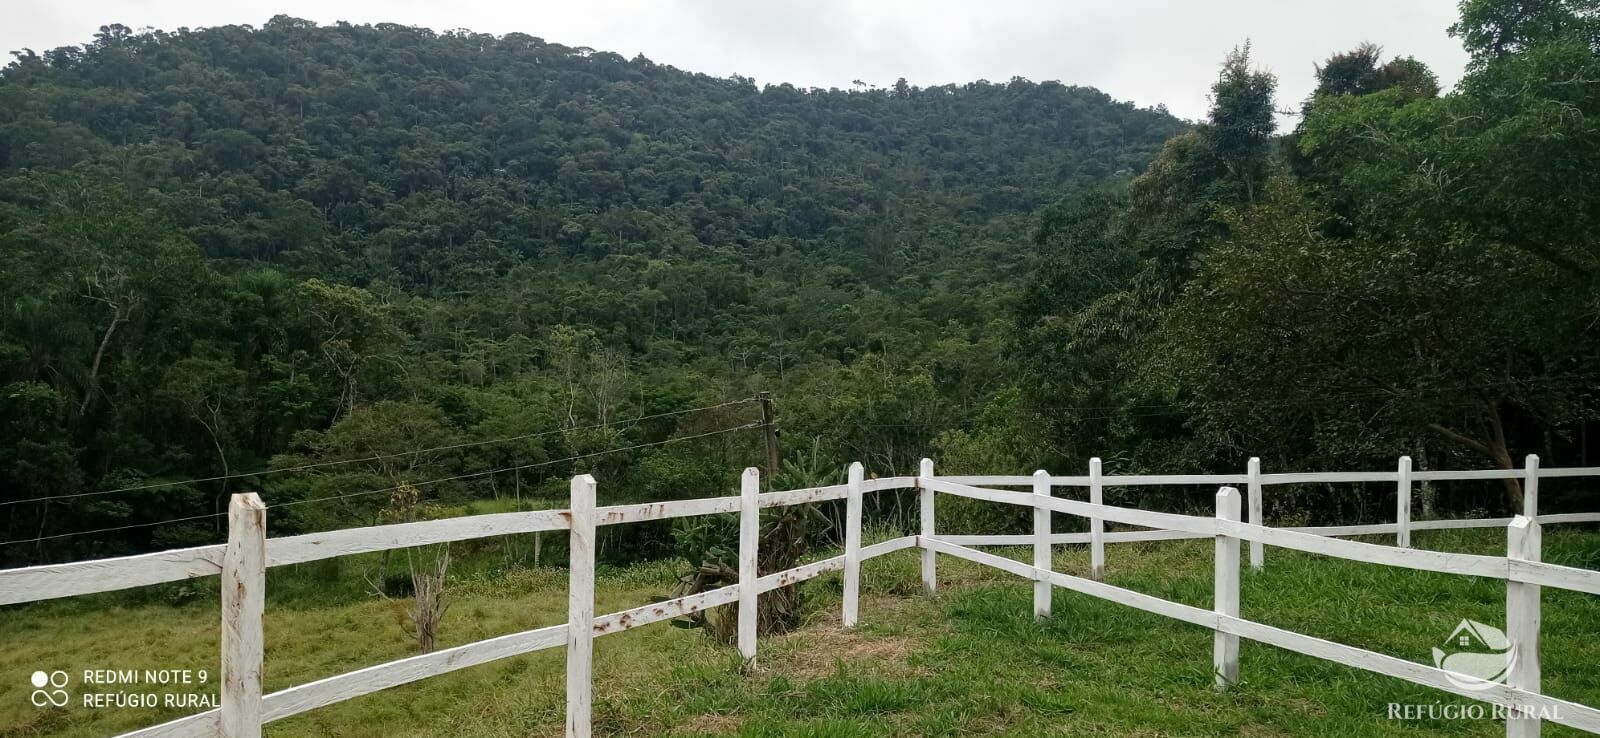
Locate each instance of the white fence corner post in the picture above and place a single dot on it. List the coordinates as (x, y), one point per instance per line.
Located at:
(580, 608)
(1402, 504)
(1097, 526)
(852, 546)
(244, 583)
(1041, 545)
(1225, 646)
(930, 573)
(749, 540)
(1523, 543)
(1258, 553)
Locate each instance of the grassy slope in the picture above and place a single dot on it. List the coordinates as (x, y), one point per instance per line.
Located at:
(970, 662)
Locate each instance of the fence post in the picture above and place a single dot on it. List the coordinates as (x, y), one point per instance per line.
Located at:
(1041, 544)
(1402, 504)
(1523, 542)
(1258, 553)
(1097, 526)
(749, 537)
(244, 583)
(1530, 488)
(930, 575)
(1225, 646)
(580, 607)
(852, 546)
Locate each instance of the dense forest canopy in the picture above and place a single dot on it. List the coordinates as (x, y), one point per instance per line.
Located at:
(360, 258)
(234, 245)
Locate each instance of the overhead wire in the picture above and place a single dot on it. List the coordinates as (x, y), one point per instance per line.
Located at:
(426, 483)
(377, 457)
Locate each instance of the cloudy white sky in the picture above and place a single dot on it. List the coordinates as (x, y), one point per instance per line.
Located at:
(1147, 51)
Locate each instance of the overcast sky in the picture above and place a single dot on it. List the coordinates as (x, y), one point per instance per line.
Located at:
(1147, 51)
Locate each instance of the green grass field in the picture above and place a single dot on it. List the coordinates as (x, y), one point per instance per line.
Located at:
(970, 661)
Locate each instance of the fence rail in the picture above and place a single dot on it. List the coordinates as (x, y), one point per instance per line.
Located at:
(242, 562)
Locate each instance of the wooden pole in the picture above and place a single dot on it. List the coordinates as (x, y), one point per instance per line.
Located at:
(852, 546)
(244, 582)
(580, 608)
(1523, 542)
(770, 427)
(1225, 646)
(930, 574)
(1041, 544)
(749, 539)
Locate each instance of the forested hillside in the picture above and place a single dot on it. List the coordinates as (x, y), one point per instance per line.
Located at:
(360, 258)
(1407, 271)
(233, 248)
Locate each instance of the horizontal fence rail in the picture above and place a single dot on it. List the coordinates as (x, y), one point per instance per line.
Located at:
(1521, 568)
(249, 553)
(1572, 714)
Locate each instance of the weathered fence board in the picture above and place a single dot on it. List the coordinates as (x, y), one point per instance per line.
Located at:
(314, 546)
(51, 581)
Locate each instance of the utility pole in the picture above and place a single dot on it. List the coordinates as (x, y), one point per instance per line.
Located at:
(771, 429)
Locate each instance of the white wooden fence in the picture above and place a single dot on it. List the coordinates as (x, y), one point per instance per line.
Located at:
(243, 561)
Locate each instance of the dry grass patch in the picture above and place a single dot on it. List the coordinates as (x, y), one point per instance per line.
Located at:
(824, 646)
(709, 725)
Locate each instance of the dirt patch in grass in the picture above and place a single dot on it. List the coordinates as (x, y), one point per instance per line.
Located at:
(709, 725)
(824, 645)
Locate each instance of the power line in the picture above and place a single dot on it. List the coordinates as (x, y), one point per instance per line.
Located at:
(113, 529)
(427, 483)
(379, 457)
(491, 472)
(1558, 380)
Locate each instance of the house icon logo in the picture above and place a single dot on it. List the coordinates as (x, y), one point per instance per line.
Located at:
(1475, 656)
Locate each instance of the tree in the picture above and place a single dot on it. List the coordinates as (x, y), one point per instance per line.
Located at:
(1492, 29)
(1281, 331)
(351, 330)
(213, 394)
